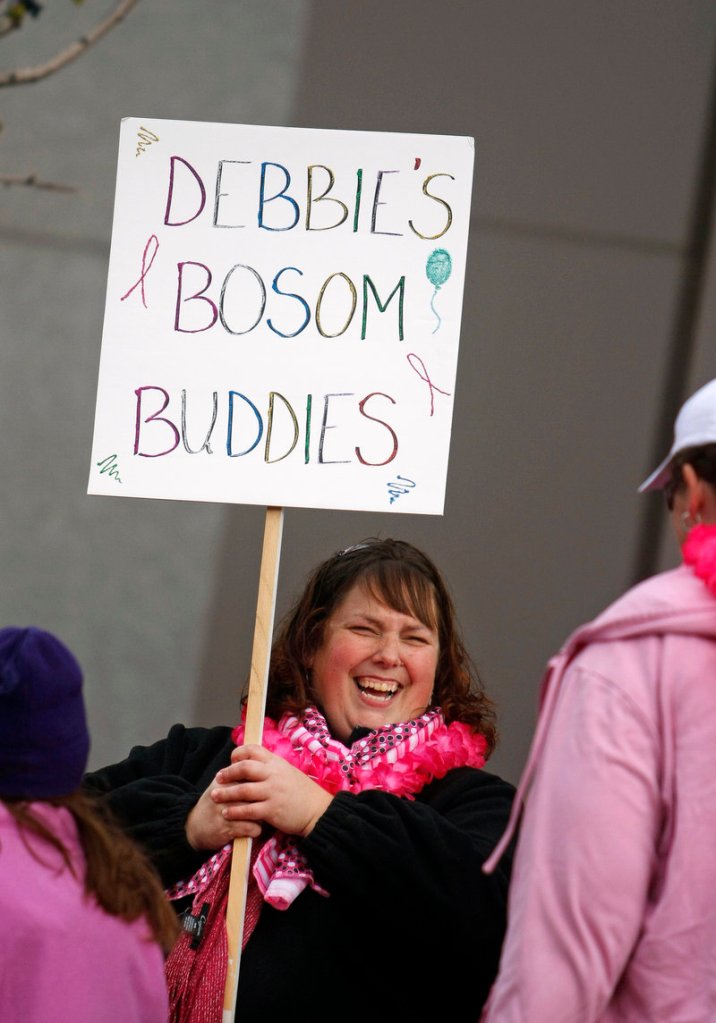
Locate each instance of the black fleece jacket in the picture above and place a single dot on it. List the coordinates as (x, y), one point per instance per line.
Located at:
(412, 929)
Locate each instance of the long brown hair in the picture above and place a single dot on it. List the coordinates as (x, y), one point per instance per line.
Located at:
(403, 577)
(118, 875)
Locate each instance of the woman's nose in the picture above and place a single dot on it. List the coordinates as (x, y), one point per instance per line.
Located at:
(388, 651)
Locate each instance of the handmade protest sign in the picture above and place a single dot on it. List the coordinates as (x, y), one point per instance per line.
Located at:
(282, 316)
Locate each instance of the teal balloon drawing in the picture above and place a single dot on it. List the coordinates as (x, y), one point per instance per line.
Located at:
(438, 269)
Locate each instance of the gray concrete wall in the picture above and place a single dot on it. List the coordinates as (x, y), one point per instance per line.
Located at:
(589, 120)
(127, 583)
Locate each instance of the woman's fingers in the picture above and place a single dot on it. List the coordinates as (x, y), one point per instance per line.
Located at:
(207, 827)
(244, 812)
(250, 752)
(244, 792)
(260, 786)
(242, 771)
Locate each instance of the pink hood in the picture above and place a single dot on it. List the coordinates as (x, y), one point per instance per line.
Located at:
(674, 602)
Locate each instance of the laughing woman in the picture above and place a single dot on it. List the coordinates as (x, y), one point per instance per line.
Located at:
(368, 803)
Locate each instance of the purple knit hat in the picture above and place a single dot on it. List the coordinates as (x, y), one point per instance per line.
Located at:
(44, 740)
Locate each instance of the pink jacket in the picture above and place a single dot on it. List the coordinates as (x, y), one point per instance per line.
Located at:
(62, 958)
(612, 913)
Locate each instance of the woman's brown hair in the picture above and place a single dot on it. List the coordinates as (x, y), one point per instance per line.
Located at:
(118, 875)
(404, 578)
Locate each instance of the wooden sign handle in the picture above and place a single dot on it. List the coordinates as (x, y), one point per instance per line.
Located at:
(258, 681)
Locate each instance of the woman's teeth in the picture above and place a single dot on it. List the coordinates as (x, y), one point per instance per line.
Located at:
(384, 690)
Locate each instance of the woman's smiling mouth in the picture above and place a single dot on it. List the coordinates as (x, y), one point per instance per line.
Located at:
(377, 689)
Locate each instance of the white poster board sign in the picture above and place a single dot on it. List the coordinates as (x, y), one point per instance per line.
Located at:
(282, 316)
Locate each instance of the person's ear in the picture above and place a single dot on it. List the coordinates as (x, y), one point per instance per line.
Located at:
(699, 496)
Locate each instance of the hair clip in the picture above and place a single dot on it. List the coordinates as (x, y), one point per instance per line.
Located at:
(355, 547)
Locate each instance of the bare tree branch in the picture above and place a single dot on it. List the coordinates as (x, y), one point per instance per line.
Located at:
(32, 181)
(7, 25)
(24, 76)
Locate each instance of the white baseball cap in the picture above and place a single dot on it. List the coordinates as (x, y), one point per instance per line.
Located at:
(695, 425)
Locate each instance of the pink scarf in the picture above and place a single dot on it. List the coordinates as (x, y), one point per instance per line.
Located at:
(400, 759)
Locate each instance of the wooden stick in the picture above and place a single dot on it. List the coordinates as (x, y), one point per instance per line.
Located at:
(258, 680)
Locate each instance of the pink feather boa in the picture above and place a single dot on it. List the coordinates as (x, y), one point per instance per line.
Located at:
(453, 745)
(699, 551)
